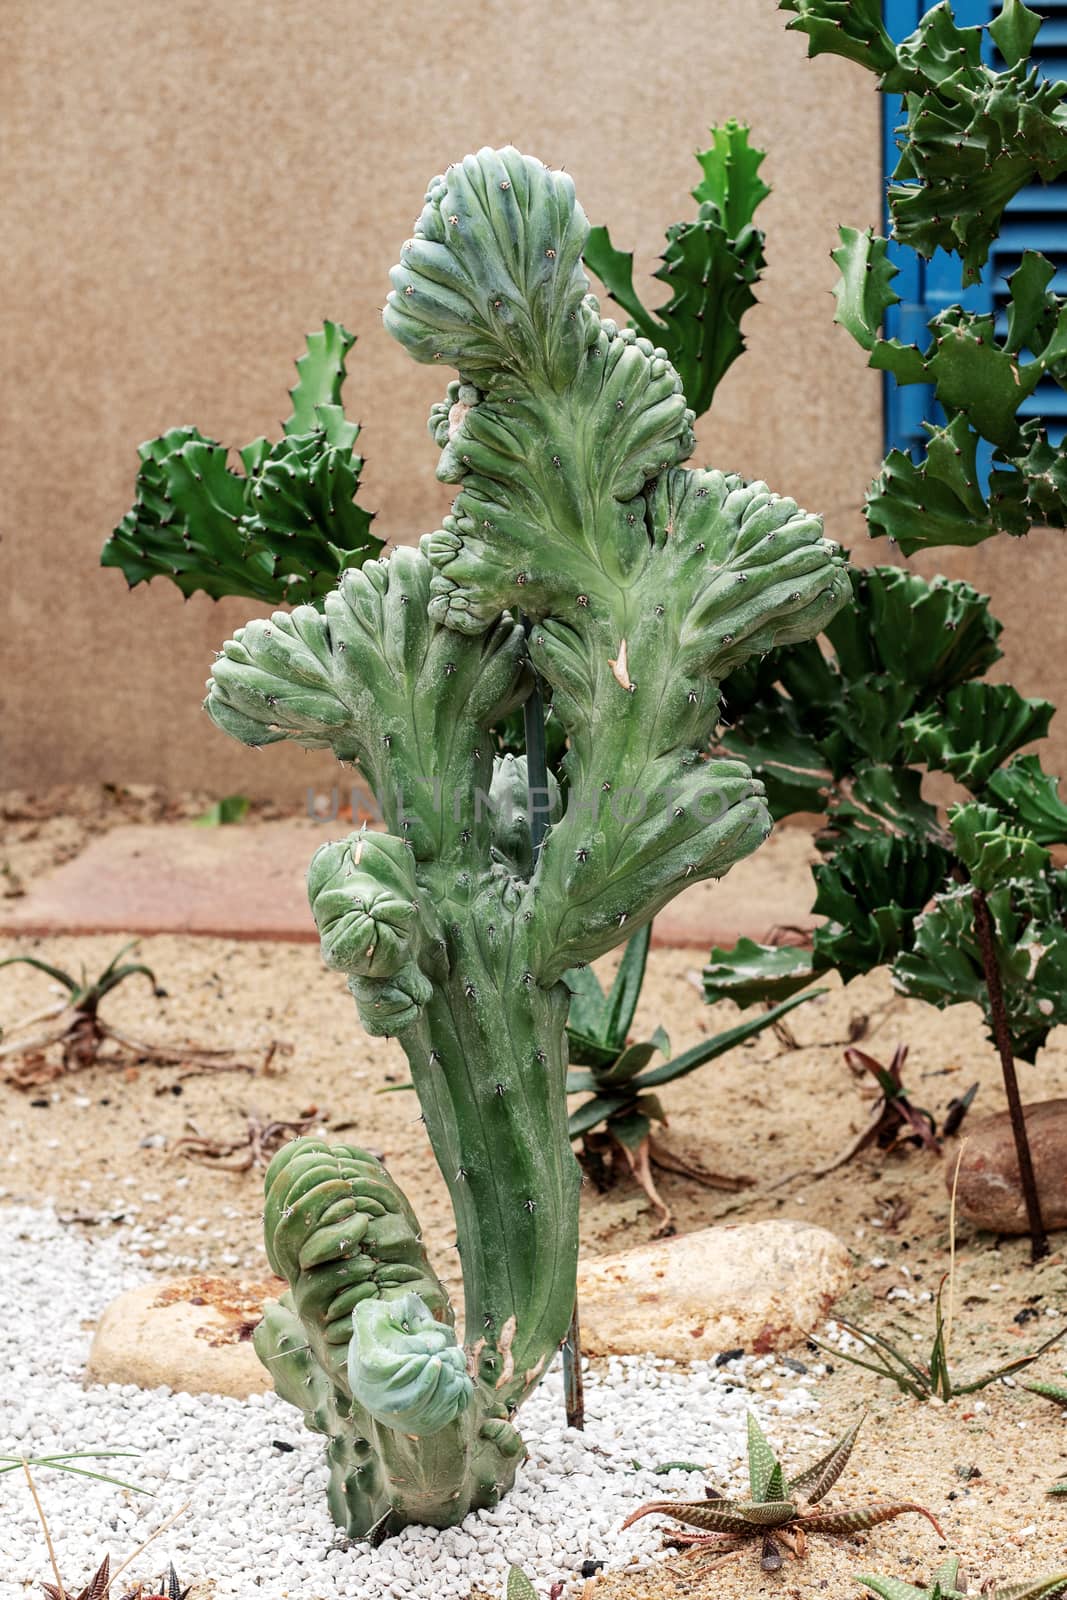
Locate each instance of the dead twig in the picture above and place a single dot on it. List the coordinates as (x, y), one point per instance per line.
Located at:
(668, 1161)
(43, 1520)
(262, 1138)
(894, 1122)
(80, 1034)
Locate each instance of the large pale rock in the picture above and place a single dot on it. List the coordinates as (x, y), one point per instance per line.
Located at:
(193, 1335)
(757, 1286)
(989, 1192)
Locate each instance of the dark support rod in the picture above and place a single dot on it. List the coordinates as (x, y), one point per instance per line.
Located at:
(983, 927)
(537, 783)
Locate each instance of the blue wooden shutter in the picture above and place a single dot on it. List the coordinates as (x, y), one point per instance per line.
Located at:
(1035, 220)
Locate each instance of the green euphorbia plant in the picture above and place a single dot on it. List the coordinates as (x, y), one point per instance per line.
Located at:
(279, 530)
(709, 264)
(642, 585)
(852, 734)
(968, 907)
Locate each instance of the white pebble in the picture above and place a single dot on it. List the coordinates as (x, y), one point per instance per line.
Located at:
(258, 1521)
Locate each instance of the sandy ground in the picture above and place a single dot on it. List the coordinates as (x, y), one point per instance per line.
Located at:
(100, 1143)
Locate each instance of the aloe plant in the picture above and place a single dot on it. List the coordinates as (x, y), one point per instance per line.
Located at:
(87, 993)
(78, 1029)
(622, 1106)
(933, 1376)
(642, 584)
(946, 1585)
(710, 266)
(781, 1511)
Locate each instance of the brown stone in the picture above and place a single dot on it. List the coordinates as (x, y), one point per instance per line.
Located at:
(248, 882)
(756, 1286)
(193, 1335)
(989, 1193)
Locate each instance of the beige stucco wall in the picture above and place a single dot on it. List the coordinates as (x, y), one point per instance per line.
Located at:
(194, 185)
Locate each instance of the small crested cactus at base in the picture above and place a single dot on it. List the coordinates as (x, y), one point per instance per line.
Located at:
(642, 584)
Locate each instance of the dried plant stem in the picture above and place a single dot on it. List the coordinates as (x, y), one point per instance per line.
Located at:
(44, 1015)
(983, 927)
(44, 1528)
(947, 1342)
(163, 1526)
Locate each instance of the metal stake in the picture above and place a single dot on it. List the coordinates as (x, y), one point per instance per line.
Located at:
(537, 783)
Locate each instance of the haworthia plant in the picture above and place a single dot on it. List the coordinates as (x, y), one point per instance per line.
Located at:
(710, 266)
(947, 1584)
(643, 584)
(280, 530)
(780, 1511)
(519, 1586)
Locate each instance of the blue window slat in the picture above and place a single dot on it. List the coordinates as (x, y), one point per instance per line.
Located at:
(1045, 198)
(1036, 219)
(1019, 234)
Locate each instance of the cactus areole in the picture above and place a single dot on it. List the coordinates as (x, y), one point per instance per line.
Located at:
(643, 583)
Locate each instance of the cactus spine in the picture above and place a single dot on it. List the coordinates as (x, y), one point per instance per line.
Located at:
(644, 583)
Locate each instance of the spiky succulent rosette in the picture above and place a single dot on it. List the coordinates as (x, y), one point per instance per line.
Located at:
(781, 1511)
(947, 1584)
(643, 584)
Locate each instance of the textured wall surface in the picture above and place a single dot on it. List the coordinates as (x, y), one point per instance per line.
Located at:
(193, 187)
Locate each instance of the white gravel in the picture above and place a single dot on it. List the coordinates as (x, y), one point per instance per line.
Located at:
(257, 1522)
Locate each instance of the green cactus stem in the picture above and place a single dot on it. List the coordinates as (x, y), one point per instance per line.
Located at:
(643, 584)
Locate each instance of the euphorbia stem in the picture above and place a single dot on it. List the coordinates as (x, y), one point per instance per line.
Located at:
(983, 926)
(537, 778)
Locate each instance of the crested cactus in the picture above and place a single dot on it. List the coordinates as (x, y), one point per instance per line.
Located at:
(642, 583)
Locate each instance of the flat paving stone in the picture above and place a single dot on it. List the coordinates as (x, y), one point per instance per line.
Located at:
(248, 882)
